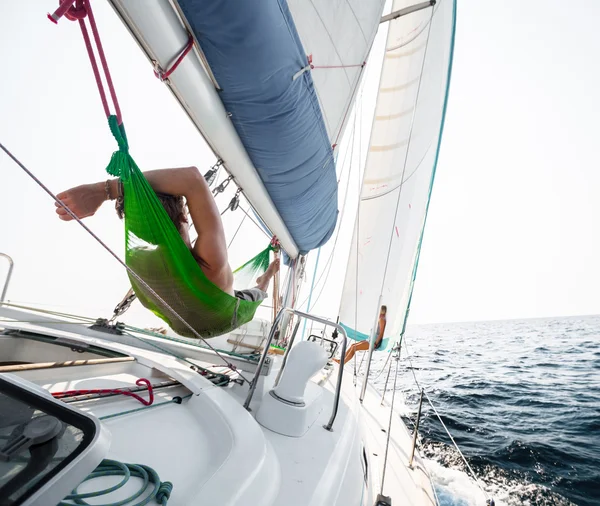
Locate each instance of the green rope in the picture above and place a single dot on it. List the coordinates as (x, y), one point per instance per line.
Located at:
(176, 400)
(160, 493)
(120, 162)
(259, 263)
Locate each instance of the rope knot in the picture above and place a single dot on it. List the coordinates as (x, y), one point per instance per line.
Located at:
(121, 163)
(118, 132)
(164, 492)
(70, 9)
(77, 11)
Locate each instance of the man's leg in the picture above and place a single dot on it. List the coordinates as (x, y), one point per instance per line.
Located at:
(262, 282)
(360, 346)
(259, 292)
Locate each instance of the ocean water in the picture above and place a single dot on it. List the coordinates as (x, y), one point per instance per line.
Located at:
(520, 397)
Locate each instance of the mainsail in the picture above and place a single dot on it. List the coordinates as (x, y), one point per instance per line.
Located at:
(400, 169)
(283, 76)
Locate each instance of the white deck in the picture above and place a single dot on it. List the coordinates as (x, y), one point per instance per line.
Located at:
(213, 450)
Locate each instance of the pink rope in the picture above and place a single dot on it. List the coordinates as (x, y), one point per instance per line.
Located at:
(164, 75)
(109, 82)
(88, 46)
(78, 10)
(140, 382)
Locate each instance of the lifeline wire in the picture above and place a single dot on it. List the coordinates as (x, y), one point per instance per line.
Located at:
(131, 271)
(408, 354)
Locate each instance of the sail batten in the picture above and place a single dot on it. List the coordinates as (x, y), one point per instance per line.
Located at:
(400, 167)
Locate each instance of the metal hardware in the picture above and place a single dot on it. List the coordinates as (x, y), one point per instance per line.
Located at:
(263, 357)
(397, 357)
(285, 401)
(104, 325)
(287, 351)
(300, 314)
(333, 344)
(371, 346)
(407, 10)
(383, 500)
(11, 265)
(211, 174)
(124, 305)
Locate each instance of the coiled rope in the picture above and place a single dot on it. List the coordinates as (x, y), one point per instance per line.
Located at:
(160, 492)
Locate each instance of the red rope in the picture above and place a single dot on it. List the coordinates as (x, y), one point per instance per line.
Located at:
(164, 75)
(78, 10)
(140, 382)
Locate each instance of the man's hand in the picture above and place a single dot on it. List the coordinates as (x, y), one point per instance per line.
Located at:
(83, 200)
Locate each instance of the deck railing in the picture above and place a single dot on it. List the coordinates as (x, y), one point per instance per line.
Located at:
(300, 315)
(11, 264)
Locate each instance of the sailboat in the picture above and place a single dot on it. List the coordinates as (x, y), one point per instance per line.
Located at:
(95, 405)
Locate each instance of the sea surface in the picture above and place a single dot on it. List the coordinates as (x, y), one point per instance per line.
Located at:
(521, 399)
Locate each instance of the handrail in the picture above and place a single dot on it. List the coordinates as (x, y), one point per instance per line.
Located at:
(11, 265)
(287, 352)
(300, 314)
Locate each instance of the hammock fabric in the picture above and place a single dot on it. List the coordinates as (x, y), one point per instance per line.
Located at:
(156, 253)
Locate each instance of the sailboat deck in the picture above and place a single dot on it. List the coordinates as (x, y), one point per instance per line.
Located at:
(403, 484)
(206, 443)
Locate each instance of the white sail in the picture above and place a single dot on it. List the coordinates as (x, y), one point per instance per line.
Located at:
(400, 168)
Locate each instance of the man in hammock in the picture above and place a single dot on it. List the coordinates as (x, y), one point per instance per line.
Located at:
(172, 186)
(364, 345)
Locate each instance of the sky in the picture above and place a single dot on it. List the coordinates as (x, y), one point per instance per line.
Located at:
(512, 229)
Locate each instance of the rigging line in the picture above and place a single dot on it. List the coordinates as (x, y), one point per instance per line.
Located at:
(456, 446)
(349, 148)
(329, 262)
(412, 124)
(384, 365)
(253, 221)
(36, 322)
(85, 319)
(358, 179)
(175, 355)
(115, 256)
(326, 270)
(389, 431)
(412, 369)
(29, 304)
(237, 230)
(409, 356)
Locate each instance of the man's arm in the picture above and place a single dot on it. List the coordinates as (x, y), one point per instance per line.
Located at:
(211, 246)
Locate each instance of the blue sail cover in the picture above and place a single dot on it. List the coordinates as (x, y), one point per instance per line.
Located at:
(254, 51)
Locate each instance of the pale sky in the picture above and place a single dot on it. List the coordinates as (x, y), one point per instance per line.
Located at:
(512, 226)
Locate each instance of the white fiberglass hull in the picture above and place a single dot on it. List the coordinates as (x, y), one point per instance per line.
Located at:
(211, 448)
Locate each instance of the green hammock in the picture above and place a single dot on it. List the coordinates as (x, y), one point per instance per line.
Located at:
(156, 253)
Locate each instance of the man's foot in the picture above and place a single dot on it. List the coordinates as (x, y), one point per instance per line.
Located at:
(82, 200)
(262, 282)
